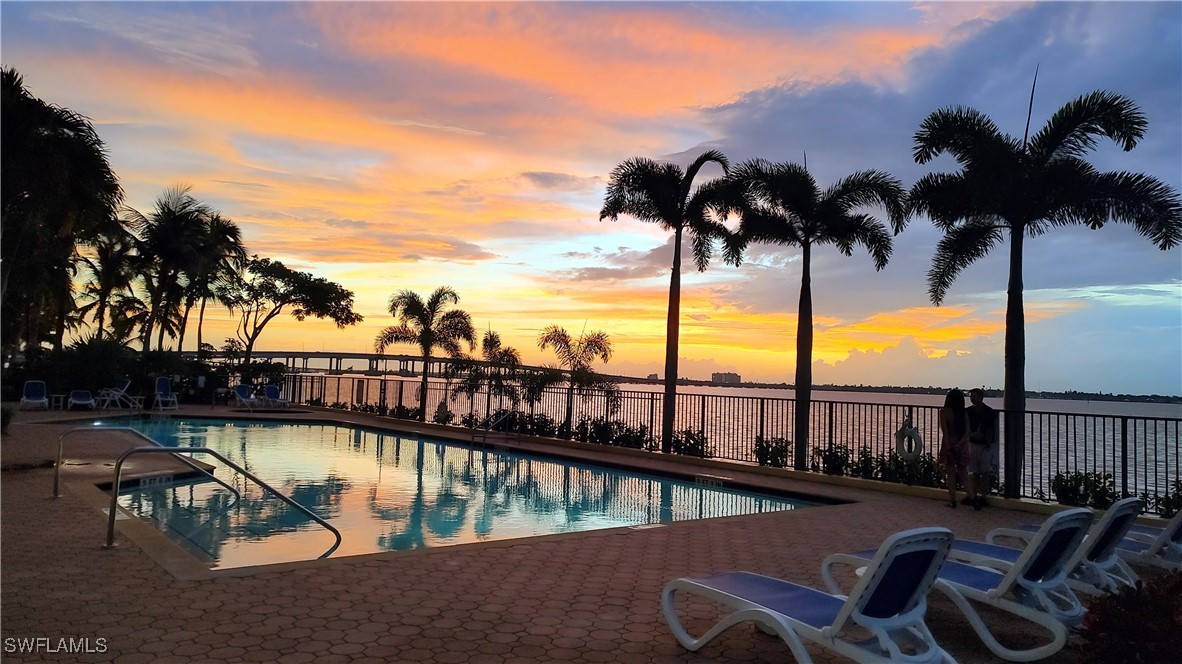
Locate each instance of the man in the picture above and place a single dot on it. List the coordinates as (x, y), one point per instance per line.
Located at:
(982, 438)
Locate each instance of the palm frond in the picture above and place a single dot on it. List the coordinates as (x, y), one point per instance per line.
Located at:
(949, 198)
(691, 172)
(860, 229)
(959, 248)
(1073, 129)
(963, 132)
(395, 334)
(406, 305)
(871, 187)
(1150, 205)
(644, 189)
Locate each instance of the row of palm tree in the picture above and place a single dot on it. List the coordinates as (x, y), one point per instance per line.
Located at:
(431, 325)
(1005, 189)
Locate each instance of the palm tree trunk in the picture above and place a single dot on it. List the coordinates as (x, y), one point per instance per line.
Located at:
(200, 322)
(423, 388)
(804, 362)
(570, 410)
(1015, 369)
(180, 339)
(669, 405)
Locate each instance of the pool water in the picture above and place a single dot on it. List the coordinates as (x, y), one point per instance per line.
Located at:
(387, 491)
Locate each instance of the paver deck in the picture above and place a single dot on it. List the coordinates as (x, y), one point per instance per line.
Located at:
(580, 597)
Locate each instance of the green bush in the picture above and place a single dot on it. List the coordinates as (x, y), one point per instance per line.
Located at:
(771, 451)
(921, 471)
(833, 460)
(1085, 489)
(691, 443)
(1137, 625)
(1167, 505)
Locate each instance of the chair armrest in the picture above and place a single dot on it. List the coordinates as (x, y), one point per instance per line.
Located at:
(998, 533)
(839, 559)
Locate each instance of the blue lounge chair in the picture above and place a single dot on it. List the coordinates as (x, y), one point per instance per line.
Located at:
(889, 601)
(1154, 546)
(165, 397)
(35, 394)
(1096, 567)
(273, 396)
(80, 398)
(117, 396)
(244, 396)
(1034, 587)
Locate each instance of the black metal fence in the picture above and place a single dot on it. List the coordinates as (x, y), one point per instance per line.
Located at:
(1139, 455)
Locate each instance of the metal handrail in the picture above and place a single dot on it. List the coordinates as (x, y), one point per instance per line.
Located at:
(485, 430)
(217, 455)
(57, 467)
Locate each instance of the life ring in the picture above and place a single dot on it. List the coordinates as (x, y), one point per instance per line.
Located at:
(908, 443)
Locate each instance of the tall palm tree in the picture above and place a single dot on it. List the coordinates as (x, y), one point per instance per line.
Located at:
(1011, 188)
(783, 205)
(220, 255)
(428, 326)
(661, 193)
(58, 190)
(576, 356)
(110, 264)
(497, 369)
(170, 240)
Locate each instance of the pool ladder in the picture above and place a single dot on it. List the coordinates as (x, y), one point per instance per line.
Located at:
(483, 433)
(178, 452)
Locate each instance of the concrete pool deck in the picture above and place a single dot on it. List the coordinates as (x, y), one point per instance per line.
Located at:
(580, 597)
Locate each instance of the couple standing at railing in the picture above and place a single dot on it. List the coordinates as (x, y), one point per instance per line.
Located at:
(968, 444)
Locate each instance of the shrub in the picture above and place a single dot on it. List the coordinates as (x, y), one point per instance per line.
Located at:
(612, 432)
(833, 460)
(1085, 489)
(691, 443)
(921, 471)
(442, 414)
(1167, 505)
(771, 451)
(1137, 625)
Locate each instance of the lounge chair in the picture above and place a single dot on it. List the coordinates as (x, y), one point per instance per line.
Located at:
(1034, 587)
(1154, 546)
(165, 398)
(34, 394)
(80, 398)
(273, 396)
(1096, 567)
(889, 601)
(244, 396)
(117, 396)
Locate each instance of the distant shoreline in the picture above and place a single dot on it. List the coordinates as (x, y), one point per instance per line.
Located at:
(989, 392)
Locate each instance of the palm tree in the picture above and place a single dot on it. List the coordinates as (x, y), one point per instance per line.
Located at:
(497, 370)
(428, 326)
(783, 205)
(170, 241)
(220, 255)
(59, 190)
(576, 356)
(662, 194)
(110, 266)
(1011, 188)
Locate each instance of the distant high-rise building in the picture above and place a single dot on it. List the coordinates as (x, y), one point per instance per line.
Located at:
(726, 378)
(653, 377)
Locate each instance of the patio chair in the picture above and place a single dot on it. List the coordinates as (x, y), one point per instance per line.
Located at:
(244, 396)
(1096, 567)
(165, 398)
(273, 396)
(1148, 545)
(80, 398)
(35, 394)
(116, 396)
(889, 601)
(1034, 587)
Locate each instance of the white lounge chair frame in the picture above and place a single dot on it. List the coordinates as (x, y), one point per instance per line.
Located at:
(42, 401)
(166, 398)
(75, 400)
(273, 397)
(1148, 545)
(1033, 588)
(896, 622)
(1096, 568)
(118, 397)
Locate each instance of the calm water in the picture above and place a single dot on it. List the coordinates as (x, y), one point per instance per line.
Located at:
(392, 492)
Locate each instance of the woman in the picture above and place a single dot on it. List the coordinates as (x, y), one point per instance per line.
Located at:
(954, 440)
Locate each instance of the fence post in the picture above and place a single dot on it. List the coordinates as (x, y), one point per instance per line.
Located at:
(762, 411)
(400, 383)
(702, 429)
(1124, 457)
(829, 421)
(652, 413)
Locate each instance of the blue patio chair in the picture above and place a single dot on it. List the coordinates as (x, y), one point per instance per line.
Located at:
(889, 601)
(80, 398)
(1148, 545)
(273, 396)
(1096, 567)
(116, 396)
(1033, 588)
(244, 396)
(35, 394)
(165, 398)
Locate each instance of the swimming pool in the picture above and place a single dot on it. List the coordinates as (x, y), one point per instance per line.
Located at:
(389, 491)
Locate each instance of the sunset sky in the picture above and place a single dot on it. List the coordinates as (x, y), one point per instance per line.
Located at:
(411, 145)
